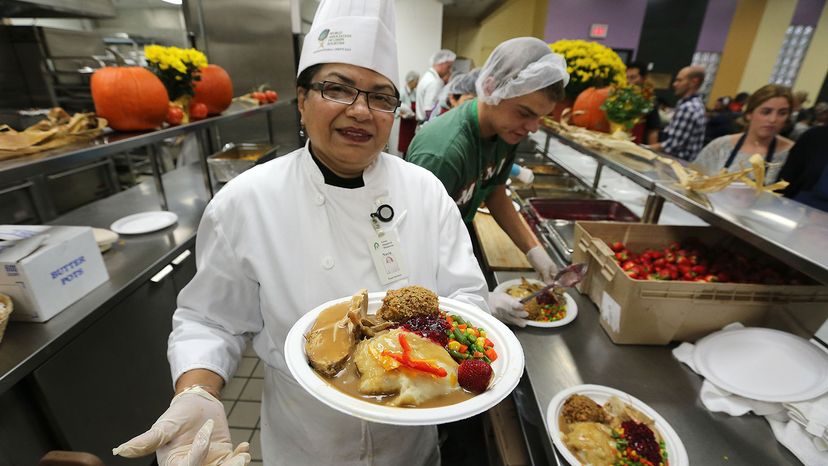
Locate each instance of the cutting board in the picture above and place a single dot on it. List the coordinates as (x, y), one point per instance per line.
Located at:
(499, 252)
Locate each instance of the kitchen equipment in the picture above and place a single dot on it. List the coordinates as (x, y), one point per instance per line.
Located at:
(233, 159)
(508, 368)
(556, 218)
(571, 307)
(676, 452)
(565, 278)
(763, 364)
(499, 251)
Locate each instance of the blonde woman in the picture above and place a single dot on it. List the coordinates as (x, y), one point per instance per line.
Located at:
(766, 113)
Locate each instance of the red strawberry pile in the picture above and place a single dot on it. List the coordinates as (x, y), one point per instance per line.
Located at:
(693, 261)
(474, 375)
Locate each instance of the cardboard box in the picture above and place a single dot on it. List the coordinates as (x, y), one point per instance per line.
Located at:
(45, 269)
(657, 312)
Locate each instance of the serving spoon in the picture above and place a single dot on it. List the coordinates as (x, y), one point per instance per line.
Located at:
(565, 278)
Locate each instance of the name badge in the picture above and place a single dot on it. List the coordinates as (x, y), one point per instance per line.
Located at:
(388, 259)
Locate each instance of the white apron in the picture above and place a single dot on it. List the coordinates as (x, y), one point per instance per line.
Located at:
(277, 242)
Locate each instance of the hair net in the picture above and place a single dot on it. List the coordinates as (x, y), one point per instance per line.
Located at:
(411, 76)
(443, 56)
(463, 83)
(518, 67)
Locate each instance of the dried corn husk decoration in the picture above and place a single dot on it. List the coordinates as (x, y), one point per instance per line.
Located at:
(58, 129)
(619, 144)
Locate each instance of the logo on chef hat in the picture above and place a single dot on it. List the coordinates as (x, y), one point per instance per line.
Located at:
(322, 36)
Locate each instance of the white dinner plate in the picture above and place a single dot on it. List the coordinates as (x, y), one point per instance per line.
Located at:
(144, 222)
(571, 307)
(676, 453)
(508, 368)
(763, 364)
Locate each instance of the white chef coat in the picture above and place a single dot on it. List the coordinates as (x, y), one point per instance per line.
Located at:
(276, 242)
(428, 90)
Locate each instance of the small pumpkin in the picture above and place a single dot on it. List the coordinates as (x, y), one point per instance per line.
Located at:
(586, 111)
(214, 89)
(131, 98)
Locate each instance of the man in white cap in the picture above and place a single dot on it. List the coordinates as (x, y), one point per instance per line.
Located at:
(289, 235)
(472, 148)
(408, 117)
(432, 81)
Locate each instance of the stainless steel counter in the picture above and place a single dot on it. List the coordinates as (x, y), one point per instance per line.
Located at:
(131, 261)
(792, 232)
(581, 353)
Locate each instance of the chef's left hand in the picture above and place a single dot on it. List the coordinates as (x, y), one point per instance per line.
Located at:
(542, 263)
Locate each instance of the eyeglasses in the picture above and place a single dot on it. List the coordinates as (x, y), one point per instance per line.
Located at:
(345, 94)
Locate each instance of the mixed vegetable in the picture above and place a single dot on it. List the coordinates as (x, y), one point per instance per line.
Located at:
(465, 341)
(637, 446)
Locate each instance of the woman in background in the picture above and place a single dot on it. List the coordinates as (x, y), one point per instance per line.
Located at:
(766, 112)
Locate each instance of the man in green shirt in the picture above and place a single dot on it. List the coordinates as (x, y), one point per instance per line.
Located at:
(471, 148)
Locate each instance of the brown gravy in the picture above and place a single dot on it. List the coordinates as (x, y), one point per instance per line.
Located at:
(347, 380)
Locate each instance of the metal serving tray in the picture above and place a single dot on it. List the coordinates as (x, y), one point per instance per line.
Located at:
(557, 218)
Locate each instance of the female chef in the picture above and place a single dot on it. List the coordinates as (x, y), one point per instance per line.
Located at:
(288, 235)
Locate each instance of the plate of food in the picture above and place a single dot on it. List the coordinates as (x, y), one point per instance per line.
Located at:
(555, 309)
(602, 426)
(405, 357)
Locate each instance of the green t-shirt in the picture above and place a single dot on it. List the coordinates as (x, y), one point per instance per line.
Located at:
(469, 167)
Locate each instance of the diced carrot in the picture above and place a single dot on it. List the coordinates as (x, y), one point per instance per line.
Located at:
(463, 348)
(462, 326)
(478, 354)
(491, 354)
(450, 321)
(489, 343)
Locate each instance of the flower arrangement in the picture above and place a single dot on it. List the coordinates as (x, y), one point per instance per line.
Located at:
(626, 105)
(590, 64)
(175, 68)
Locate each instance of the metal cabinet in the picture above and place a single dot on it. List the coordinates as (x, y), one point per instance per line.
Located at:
(112, 382)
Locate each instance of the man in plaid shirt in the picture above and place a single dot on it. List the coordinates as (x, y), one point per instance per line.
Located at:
(685, 133)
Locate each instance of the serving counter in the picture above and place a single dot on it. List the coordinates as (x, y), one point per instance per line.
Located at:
(98, 371)
(581, 353)
(792, 232)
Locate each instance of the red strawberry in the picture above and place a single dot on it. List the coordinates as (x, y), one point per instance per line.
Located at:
(474, 375)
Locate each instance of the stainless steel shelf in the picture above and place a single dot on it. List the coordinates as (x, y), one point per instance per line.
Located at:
(791, 232)
(14, 170)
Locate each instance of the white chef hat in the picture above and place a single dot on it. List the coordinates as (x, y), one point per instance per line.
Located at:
(518, 67)
(356, 32)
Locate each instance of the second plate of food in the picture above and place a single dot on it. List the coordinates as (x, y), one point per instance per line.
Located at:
(541, 315)
(594, 424)
(507, 368)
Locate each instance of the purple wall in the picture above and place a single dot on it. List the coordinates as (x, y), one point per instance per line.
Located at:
(807, 12)
(716, 25)
(570, 19)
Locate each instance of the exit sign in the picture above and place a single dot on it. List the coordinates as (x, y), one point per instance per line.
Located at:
(598, 31)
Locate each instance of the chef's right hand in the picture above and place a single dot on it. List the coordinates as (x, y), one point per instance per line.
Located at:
(508, 309)
(192, 432)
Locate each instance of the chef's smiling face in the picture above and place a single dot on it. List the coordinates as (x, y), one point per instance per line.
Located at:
(346, 138)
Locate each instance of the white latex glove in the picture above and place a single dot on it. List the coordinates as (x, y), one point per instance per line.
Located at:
(507, 309)
(542, 263)
(192, 432)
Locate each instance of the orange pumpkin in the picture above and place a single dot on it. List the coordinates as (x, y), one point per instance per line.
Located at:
(131, 98)
(215, 90)
(586, 111)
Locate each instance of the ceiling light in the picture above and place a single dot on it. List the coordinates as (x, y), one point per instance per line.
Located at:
(174, 2)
